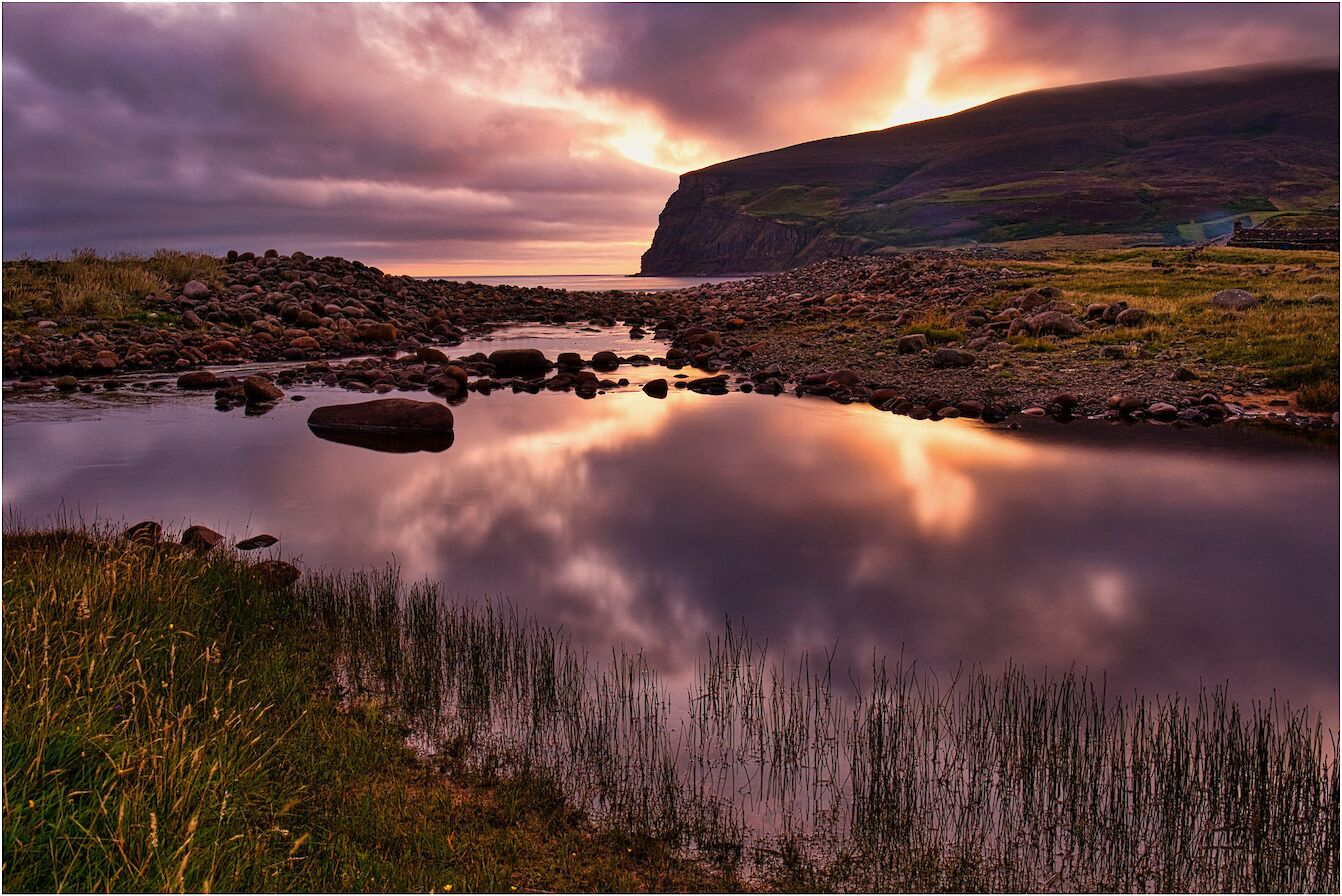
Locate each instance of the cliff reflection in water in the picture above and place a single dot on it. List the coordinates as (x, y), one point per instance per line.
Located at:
(1148, 556)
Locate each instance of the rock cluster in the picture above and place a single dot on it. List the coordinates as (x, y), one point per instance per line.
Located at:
(949, 340)
(277, 574)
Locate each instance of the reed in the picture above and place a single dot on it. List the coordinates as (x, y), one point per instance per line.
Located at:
(987, 780)
(172, 723)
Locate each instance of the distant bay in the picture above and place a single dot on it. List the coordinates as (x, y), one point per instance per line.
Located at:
(588, 282)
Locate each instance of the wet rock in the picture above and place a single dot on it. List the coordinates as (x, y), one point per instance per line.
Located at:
(430, 355)
(276, 573)
(1163, 411)
(569, 361)
(67, 383)
(376, 332)
(260, 390)
(844, 377)
(709, 385)
(146, 532)
(519, 362)
(605, 360)
(257, 541)
(201, 538)
(952, 357)
(1064, 400)
(655, 388)
(1235, 299)
(383, 415)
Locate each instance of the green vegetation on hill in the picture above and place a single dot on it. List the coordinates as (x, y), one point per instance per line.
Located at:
(1291, 339)
(1162, 160)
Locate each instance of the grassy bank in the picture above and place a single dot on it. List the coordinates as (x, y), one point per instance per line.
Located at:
(170, 723)
(1289, 340)
(88, 285)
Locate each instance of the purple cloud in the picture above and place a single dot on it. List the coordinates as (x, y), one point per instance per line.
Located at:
(510, 137)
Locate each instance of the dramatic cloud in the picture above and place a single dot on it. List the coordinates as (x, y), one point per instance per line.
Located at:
(508, 138)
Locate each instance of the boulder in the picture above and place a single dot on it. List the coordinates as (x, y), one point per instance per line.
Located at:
(655, 388)
(276, 573)
(1055, 323)
(257, 541)
(953, 357)
(201, 538)
(710, 385)
(430, 356)
(383, 415)
(375, 332)
(1235, 299)
(1065, 400)
(519, 362)
(147, 532)
(1163, 411)
(1130, 317)
(911, 344)
(605, 360)
(259, 390)
(67, 383)
(195, 289)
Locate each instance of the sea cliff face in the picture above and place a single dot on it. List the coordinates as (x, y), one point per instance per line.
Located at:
(1158, 161)
(700, 232)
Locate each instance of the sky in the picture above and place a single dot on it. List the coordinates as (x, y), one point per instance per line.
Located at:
(509, 138)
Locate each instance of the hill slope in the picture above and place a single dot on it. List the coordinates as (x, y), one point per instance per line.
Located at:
(1168, 159)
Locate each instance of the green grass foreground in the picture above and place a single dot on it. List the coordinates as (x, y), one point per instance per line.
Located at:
(170, 723)
(1291, 339)
(108, 288)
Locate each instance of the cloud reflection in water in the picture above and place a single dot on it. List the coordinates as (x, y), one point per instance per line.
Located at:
(633, 521)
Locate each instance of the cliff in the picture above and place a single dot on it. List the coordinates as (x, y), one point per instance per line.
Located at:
(1159, 160)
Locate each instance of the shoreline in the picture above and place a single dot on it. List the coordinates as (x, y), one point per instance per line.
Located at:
(324, 789)
(930, 334)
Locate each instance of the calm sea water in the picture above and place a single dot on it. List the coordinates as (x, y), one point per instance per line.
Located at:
(1162, 558)
(592, 282)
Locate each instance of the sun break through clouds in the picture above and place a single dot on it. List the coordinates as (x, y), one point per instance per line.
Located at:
(464, 139)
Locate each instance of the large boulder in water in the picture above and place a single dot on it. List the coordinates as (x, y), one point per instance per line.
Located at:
(386, 416)
(519, 361)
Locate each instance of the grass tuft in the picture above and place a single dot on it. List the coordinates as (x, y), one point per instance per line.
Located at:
(88, 285)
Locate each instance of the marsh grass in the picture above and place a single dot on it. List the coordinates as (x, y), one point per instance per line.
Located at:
(88, 285)
(1290, 340)
(987, 780)
(171, 724)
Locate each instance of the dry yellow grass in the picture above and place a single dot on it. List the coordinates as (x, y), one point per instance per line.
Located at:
(87, 285)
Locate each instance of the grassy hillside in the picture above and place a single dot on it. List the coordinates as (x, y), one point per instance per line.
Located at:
(1165, 161)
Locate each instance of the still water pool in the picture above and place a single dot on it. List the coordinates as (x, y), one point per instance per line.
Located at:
(1160, 558)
